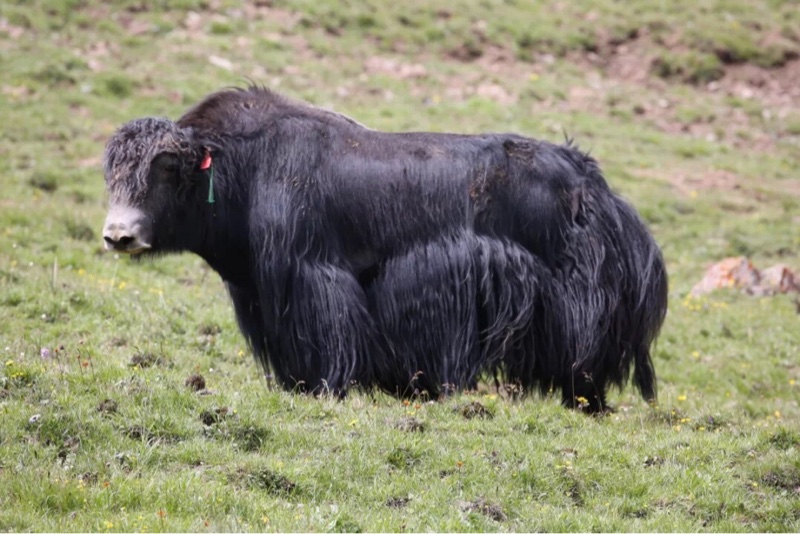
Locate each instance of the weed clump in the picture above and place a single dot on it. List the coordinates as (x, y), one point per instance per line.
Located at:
(475, 409)
(143, 360)
(785, 439)
(88, 478)
(44, 181)
(788, 479)
(403, 458)
(695, 68)
(409, 424)
(210, 329)
(344, 523)
(116, 86)
(212, 417)
(251, 438)
(108, 406)
(151, 436)
(484, 507)
(267, 480)
(79, 231)
(397, 502)
(221, 426)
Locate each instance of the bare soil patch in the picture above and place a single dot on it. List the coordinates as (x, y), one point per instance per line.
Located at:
(690, 183)
(482, 506)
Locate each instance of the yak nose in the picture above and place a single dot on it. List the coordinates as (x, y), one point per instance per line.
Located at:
(126, 230)
(117, 236)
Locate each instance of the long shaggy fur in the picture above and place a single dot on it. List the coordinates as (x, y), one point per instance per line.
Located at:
(415, 262)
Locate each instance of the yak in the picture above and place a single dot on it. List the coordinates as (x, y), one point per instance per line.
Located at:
(417, 263)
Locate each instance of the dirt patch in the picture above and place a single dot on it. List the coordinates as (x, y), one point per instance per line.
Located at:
(409, 424)
(485, 80)
(143, 360)
(88, 478)
(196, 382)
(688, 184)
(212, 417)
(138, 432)
(484, 507)
(403, 458)
(151, 437)
(134, 25)
(397, 502)
(395, 68)
(284, 18)
(783, 480)
(631, 65)
(632, 61)
(775, 88)
(653, 461)
(108, 406)
(475, 409)
(266, 480)
(209, 329)
(13, 32)
(494, 63)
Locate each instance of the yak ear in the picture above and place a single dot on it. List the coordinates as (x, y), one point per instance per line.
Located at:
(575, 203)
(191, 150)
(202, 148)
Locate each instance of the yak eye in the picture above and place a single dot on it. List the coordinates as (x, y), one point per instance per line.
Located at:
(166, 167)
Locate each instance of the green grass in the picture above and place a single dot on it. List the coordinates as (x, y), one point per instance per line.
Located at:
(104, 434)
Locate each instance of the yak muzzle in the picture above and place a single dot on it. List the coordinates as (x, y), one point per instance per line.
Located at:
(125, 231)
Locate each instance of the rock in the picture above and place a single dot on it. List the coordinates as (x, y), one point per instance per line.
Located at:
(740, 273)
(737, 272)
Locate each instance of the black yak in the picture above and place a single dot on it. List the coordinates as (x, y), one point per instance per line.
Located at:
(413, 262)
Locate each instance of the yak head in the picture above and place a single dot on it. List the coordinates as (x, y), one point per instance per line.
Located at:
(153, 178)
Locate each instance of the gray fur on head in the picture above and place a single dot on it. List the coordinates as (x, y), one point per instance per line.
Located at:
(131, 150)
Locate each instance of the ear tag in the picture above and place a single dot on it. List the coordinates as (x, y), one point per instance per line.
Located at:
(205, 165)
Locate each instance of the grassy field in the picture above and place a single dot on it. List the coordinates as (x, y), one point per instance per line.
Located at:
(129, 402)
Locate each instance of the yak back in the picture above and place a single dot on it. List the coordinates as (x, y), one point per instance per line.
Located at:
(246, 112)
(378, 193)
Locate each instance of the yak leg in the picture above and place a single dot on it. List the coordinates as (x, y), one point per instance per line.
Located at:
(424, 302)
(250, 319)
(584, 392)
(324, 335)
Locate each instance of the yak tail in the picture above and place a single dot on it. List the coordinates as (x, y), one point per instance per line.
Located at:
(618, 291)
(650, 307)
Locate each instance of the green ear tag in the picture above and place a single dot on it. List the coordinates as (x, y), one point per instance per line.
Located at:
(211, 185)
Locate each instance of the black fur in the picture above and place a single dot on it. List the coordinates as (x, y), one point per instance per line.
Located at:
(416, 262)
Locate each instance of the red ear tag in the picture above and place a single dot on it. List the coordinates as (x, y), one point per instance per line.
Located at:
(206, 163)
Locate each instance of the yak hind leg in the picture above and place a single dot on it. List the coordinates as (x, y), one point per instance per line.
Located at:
(324, 334)
(585, 392)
